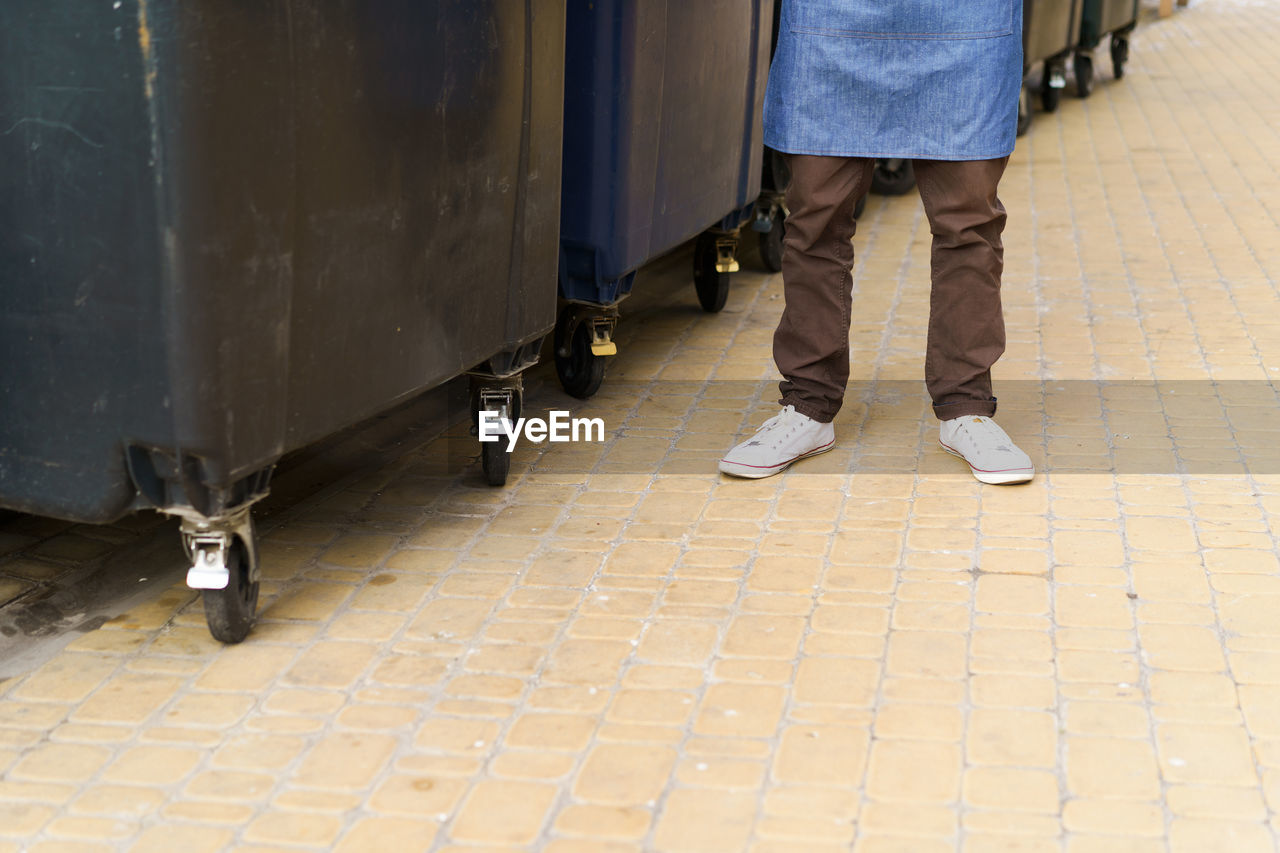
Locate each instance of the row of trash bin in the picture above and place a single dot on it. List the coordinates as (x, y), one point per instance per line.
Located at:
(231, 229)
(1057, 31)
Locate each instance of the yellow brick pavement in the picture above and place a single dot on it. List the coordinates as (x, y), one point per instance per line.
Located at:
(623, 651)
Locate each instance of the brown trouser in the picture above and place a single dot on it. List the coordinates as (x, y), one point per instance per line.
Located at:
(966, 325)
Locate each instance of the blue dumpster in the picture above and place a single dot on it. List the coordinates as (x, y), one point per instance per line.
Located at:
(231, 229)
(662, 142)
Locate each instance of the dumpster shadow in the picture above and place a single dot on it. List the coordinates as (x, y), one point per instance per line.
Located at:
(64, 579)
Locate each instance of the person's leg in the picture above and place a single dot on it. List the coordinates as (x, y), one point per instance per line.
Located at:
(811, 344)
(966, 324)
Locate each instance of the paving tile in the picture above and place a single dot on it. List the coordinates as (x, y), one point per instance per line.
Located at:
(1205, 755)
(56, 762)
(622, 774)
(67, 678)
(1113, 817)
(700, 820)
(345, 761)
(418, 796)
(1012, 738)
(1109, 767)
(404, 834)
(502, 812)
(123, 801)
(914, 771)
(174, 837)
(1210, 836)
(740, 710)
(1011, 789)
(127, 699)
(152, 765)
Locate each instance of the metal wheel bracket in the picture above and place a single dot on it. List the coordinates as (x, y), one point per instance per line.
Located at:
(600, 325)
(726, 249)
(491, 393)
(209, 567)
(495, 399)
(768, 215)
(208, 543)
(602, 336)
(602, 342)
(1055, 78)
(763, 222)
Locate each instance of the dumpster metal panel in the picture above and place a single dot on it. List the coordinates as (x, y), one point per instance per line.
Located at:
(662, 128)
(229, 229)
(1105, 16)
(1049, 28)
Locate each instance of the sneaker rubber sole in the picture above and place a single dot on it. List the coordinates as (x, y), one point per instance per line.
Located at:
(1004, 477)
(757, 472)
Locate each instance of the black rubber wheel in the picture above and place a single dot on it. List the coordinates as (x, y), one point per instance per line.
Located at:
(771, 244)
(1049, 96)
(893, 177)
(1084, 74)
(712, 285)
(494, 458)
(496, 462)
(1119, 55)
(229, 612)
(1024, 111)
(580, 371)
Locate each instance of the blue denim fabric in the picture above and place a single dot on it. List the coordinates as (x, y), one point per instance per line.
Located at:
(931, 79)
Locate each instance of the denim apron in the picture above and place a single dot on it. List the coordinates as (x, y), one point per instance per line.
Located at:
(931, 79)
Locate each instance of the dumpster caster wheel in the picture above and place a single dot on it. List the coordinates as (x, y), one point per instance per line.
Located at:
(1050, 97)
(1024, 111)
(507, 402)
(713, 267)
(580, 370)
(771, 243)
(893, 177)
(496, 462)
(1119, 55)
(1084, 74)
(229, 611)
(224, 567)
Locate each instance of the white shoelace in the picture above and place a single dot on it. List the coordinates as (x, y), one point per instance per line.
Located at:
(995, 434)
(770, 427)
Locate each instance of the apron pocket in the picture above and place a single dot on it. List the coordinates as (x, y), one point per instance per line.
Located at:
(903, 19)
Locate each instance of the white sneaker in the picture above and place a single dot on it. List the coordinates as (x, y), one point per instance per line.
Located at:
(991, 454)
(785, 438)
